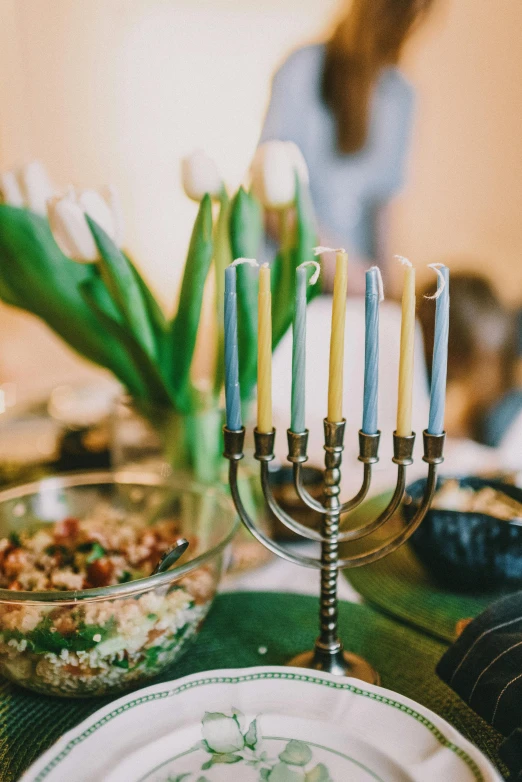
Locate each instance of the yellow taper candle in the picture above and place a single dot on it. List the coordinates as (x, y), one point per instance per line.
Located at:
(404, 405)
(335, 381)
(264, 354)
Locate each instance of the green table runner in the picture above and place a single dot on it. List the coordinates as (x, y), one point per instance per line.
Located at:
(237, 632)
(401, 586)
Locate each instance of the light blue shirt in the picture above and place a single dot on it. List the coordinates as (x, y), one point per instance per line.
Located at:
(347, 189)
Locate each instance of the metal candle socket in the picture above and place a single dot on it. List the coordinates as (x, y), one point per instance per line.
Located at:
(328, 653)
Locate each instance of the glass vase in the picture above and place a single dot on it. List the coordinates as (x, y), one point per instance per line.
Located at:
(170, 443)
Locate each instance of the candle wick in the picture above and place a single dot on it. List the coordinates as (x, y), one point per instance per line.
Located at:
(442, 282)
(320, 249)
(403, 260)
(238, 261)
(380, 284)
(315, 276)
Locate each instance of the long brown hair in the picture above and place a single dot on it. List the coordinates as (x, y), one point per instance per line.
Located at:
(368, 38)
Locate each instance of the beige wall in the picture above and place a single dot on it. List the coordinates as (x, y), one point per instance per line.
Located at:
(464, 196)
(119, 90)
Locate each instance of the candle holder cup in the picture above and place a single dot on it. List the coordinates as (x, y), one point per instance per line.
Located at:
(328, 653)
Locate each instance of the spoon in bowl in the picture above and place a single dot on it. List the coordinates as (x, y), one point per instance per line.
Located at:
(171, 556)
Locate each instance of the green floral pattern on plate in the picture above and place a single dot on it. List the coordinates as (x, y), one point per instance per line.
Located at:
(227, 740)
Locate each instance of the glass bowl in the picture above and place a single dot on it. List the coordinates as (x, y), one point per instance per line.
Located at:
(107, 639)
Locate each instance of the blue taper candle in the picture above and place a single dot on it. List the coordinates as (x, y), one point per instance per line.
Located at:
(371, 350)
(439, 367)
(232, 397)
(297, 421)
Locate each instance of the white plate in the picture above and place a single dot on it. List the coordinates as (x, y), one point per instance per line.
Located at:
(269, 724)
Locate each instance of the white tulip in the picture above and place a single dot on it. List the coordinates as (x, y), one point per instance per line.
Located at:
(70, 228)
(200, 175)
(10, 192)
(35, 186)
(273, 173)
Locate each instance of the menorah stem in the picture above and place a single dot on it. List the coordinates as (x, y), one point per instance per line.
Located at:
(329, 639)
(328, 653)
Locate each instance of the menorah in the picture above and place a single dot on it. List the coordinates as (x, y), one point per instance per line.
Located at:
(328, 653)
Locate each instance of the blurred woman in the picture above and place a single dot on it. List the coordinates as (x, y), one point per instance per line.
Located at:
(349, 108)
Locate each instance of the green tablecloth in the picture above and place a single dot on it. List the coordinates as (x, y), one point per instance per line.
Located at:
(238, 627)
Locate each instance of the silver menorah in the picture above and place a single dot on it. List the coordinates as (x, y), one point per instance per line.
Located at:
(328, 653)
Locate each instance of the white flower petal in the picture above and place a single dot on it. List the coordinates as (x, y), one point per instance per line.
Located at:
(221, 733)
(112, 197)
(36, 186)
(298, 161)
(70, 230)
(10, 192)
(273, 175)
(200, 175)
(98, 210)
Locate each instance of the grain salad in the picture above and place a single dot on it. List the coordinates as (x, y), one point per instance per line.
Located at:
(91, 646)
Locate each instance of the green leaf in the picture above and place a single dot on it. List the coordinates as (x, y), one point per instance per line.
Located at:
(97, 552)
(122, 283)
(185, 325)
(245, 239)
(36, 276)
(222, 258)
(156, 315)
(318, 774)
(153, 386)
(227, 759)
(296, 753)
(251, 736)
(283, 773)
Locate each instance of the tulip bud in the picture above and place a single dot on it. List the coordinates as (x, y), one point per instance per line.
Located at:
(70, 228)
(200, 175)
(35, 186)
(273, 173)
(10, 192)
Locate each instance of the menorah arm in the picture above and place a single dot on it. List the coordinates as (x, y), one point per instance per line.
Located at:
(402, 456)
(279, 513)
(387, 513)
(303, 494)
(275, 548)
(433, 450)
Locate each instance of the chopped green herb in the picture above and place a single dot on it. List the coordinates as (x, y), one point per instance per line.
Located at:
(152, 655)
(84, 547)
(121, 663)
(97, 552)
(125, 577)
(14, 539)
(152, 617)
(56, 548)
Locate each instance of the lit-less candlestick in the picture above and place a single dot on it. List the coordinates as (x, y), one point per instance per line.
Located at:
(335, 380)
(439, 366)
(404, 408)
(297, 422)
(374, 295)
(264, 354)
(232, 395)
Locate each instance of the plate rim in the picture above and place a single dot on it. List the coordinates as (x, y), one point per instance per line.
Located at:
(471, 755)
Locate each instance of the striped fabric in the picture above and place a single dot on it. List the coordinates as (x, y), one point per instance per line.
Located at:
(484, 667)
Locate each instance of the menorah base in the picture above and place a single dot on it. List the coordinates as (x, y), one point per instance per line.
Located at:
(340, 663)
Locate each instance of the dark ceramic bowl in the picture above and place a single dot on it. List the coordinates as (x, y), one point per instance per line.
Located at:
(468, 551)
